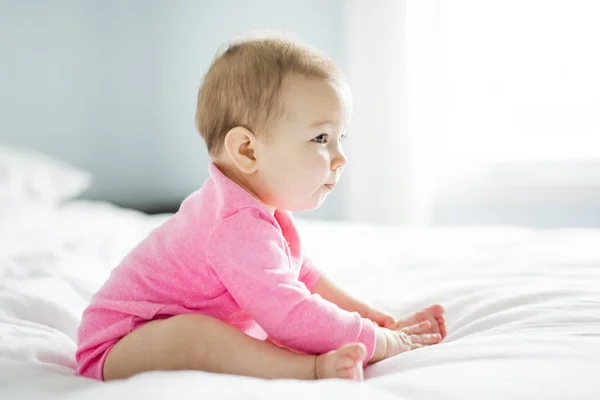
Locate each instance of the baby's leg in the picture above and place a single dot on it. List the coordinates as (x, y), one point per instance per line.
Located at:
(198, 342)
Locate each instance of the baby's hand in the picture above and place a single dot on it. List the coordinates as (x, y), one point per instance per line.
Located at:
(416, 336)
(423, 328)
(382, 318)
(389, 343)
(434, 314)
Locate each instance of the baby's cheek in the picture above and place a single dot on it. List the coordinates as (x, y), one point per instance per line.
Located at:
(321, 162)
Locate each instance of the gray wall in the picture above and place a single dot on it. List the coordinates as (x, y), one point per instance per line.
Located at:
(110, 85)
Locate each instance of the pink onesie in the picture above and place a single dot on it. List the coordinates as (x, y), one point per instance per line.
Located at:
(223, 255)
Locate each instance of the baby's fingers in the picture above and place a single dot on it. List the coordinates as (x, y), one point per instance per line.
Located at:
(416, 328)
(442, 324)
(426, 338)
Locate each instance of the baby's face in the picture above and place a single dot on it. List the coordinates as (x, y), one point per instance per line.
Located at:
(302, 159)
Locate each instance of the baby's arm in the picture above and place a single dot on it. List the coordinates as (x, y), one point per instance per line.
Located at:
(388, 342)
(248, 254)
(330, 292)
(319, 284)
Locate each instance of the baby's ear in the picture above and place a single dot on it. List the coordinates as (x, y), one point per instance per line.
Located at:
(240, 146)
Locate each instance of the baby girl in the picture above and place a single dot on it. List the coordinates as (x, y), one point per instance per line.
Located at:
(223, 285)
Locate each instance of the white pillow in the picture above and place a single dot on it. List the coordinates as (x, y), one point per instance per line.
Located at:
(30, 177)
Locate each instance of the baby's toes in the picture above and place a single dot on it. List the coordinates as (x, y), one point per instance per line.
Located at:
(354, 372)
(349, 364)
(353, 351)
(347, 373)
(345, 363)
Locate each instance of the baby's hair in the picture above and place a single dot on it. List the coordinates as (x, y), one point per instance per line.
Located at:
(244, 83)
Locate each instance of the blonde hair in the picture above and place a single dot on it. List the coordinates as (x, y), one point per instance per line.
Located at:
(244, 83)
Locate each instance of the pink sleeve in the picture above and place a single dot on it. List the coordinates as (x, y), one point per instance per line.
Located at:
(309, 275)
(247, 253)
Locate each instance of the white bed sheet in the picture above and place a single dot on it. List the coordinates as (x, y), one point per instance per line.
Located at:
(523, 309)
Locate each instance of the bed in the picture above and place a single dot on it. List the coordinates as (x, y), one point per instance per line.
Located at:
(523, 305)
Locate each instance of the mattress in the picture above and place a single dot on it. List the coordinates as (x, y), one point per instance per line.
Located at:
(523, 308)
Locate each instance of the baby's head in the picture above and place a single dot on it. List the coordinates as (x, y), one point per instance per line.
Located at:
(273, 113)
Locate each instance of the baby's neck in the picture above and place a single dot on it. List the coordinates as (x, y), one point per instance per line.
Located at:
(230, 171)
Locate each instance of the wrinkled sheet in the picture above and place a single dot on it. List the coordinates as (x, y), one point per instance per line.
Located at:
(523, 308)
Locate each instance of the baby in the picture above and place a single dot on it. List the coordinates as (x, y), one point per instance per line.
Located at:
(223, 285)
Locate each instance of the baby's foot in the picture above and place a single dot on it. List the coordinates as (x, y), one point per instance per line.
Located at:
(345, 362)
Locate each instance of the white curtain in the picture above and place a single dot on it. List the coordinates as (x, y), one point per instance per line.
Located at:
(391, 142)
(445, 89)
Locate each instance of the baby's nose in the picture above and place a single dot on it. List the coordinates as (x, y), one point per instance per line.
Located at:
(339, 162)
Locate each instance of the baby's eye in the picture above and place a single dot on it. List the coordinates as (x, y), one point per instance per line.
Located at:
(322, 138)
(342, 138)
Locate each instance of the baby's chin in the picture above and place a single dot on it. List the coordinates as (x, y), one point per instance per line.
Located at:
(311, 205)
(298, 202)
